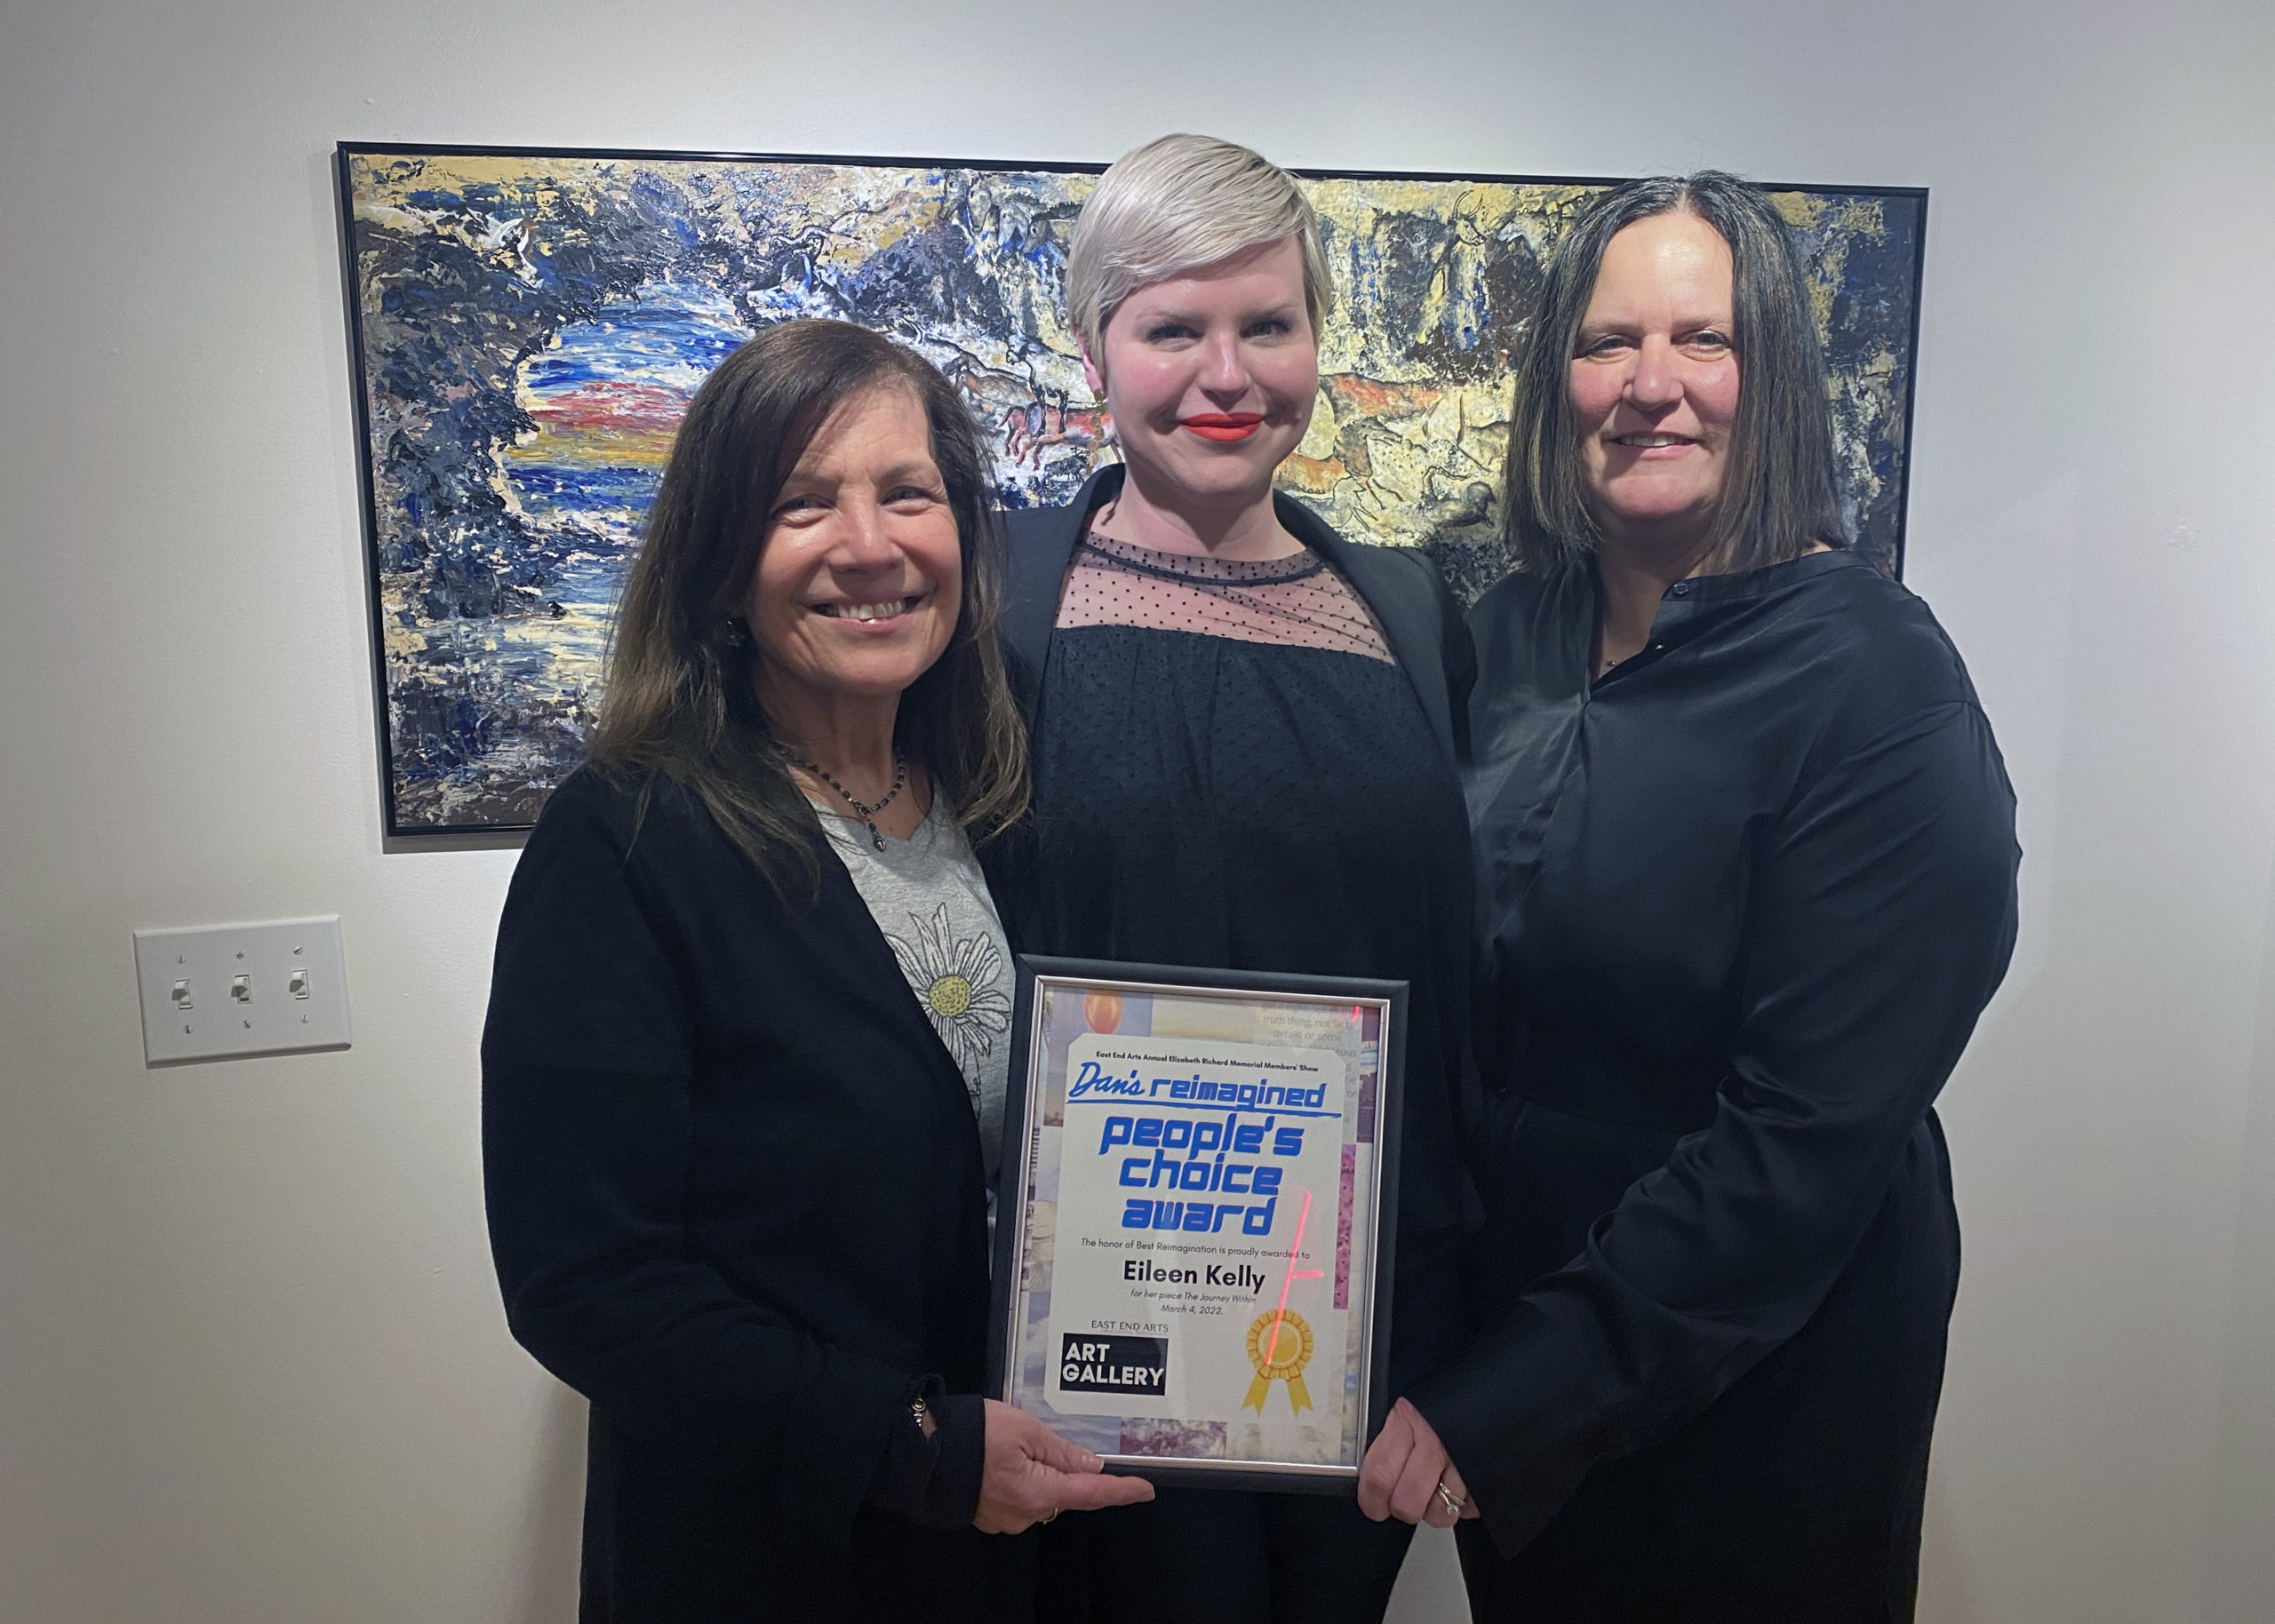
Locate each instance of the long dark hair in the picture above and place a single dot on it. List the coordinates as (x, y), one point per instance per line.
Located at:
(1780, 494)
(680, 702)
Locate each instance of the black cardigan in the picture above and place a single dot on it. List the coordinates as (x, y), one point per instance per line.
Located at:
(736, 1199)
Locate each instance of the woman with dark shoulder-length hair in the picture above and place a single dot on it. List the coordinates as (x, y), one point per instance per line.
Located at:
(742, 1073)
(1246, 736)
(1748, 867)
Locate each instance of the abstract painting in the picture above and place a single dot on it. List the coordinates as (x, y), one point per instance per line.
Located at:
(527, 328)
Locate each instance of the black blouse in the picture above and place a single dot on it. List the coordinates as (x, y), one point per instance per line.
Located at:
(1245, 806)
(1744, 899)
(1220, 802)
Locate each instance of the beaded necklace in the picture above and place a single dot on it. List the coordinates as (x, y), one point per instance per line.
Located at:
(867, 814)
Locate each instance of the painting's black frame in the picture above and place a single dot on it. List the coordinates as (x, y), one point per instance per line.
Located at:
(1010, 1224)
(352, 303)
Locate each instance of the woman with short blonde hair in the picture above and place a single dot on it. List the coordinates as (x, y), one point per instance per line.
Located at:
(1246, 731)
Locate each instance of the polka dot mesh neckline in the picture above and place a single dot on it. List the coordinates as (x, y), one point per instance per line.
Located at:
(1296, 601)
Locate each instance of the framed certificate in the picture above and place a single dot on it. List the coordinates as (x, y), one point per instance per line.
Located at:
(1196, 1218)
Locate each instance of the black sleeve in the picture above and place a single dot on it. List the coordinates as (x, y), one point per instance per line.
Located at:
(1461, 666)
(935, 1481)
(1437, 613)
(588, 1062)
(1881, 917)
(1458, 651)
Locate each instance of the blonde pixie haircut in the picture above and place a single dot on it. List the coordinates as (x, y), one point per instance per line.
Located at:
(1173, 205)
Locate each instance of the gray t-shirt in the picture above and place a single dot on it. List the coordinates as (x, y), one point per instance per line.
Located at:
(929, 897)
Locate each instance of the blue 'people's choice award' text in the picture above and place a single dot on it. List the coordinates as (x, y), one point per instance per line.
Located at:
(1200, 1185)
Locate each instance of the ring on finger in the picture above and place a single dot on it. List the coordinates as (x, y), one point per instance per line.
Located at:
(1055, 1510)
(1454, 1504)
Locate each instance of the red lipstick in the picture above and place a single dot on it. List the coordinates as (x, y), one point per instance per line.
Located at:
(1223, 425)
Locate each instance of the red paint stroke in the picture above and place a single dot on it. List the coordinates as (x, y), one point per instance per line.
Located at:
(1374, 398)
(1294, 1274)
(1032, 428)
(613, 407)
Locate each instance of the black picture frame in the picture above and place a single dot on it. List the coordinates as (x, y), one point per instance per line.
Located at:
(488, 602)
(1012, 1283)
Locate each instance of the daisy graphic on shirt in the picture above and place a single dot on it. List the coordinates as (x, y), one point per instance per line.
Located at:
(956, 982)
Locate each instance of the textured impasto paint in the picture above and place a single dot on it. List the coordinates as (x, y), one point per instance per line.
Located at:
(531, 328)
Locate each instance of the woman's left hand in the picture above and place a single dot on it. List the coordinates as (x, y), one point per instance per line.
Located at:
(1404, 1466)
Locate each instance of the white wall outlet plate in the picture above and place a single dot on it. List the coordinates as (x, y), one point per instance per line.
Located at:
(217, 991)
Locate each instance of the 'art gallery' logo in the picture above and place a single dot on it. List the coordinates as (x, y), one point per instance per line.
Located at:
(1115, 1365)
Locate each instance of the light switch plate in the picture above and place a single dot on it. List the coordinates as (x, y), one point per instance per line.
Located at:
(213, 991)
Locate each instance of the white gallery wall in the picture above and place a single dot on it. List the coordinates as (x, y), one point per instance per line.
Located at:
(252, 1367)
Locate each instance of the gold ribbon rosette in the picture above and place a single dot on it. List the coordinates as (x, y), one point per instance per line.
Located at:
(1278, 1345)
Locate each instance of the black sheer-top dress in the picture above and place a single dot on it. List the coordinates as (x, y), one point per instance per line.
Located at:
(1745, 897)
(1251, 766)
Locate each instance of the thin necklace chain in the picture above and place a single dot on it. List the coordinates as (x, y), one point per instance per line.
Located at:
(865, 813)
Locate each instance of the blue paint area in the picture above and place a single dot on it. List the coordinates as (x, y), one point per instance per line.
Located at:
(568, 490)
(672, 333)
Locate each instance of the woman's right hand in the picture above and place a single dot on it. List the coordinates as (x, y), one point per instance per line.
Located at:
(1030, 1475)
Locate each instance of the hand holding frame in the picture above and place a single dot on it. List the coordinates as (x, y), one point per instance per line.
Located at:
(1404, 1467)
(1030, 1475)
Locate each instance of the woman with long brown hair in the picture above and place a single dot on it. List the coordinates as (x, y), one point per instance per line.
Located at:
(745, 1056)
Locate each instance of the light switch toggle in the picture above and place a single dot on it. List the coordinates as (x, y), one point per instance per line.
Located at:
(181, 996)
(297, 983)
(241, 989)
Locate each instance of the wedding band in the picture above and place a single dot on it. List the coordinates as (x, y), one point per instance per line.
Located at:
(1055, 1510)
(1454, 1504)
